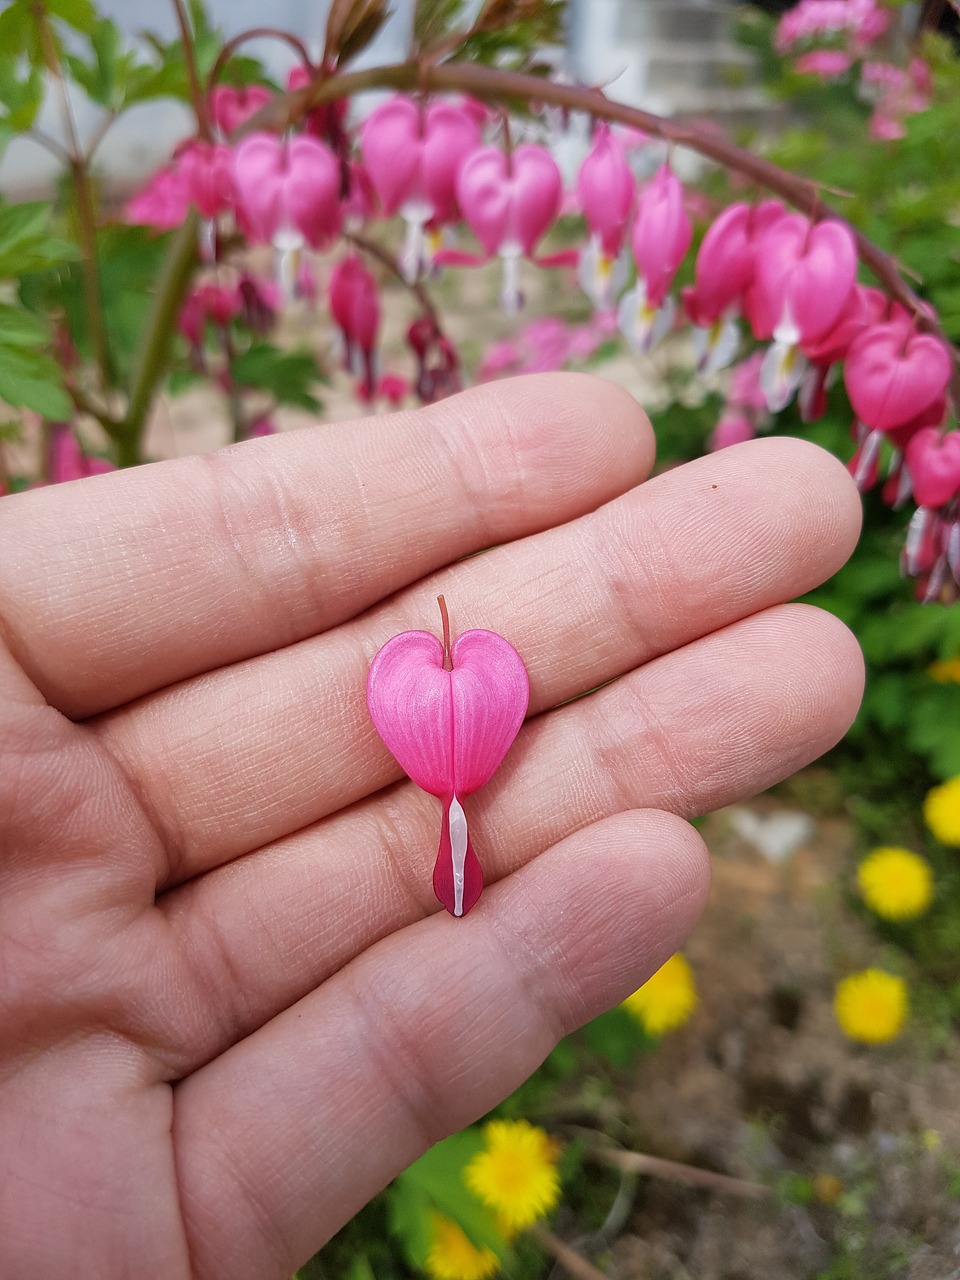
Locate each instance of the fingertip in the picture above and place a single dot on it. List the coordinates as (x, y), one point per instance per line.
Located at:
(575, 426)
(621, 896)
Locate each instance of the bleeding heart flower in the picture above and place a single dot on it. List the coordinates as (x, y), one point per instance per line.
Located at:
(162, 203)
(288, 193)
(207, 171)
(733, 428)
(448, 716)
(934, 463)
(231, 107)
(605, 188)
(725, 260)
(661, 234)
(510, 201)
(66, 459)
(413, 155)
(892, 375)
(355, 306)
(804, 275)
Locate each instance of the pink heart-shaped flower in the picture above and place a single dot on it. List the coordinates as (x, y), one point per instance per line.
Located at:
(287, 187)
(934, 463)
(449, 729)
(510, 202)
(803, 277)
(893, 375)
(413, 155)
(661, 233)
(605, 189)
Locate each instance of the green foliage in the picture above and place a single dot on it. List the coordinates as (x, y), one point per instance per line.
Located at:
(287, 375)
(616, 1037)
(434, 1184)
(29, 377)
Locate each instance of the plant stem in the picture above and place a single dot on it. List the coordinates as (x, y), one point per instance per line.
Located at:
(494, 84)
(197, 96)
(257, 33)
(86, 215)
(569, 1259)
(161, 326)
(670, 1170)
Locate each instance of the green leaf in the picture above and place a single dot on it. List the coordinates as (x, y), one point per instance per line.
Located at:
(439, 1175)
(31, 380)
(17, 30)
(24, 243)
(21, 95)
(361, 1269)
(21, 328)
(617, 1037)
(79, 14)
(286, 375)
(104, 79)
(19, 222)
(410, 1210)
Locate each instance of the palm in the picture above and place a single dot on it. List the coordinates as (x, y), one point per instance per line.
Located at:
(231, 1012)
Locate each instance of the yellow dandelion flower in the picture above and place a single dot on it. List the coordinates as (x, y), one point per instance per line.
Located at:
(666, 1000)
(895, 883)
(454, 1256)
(516, 1173)
(945, 672)
(941, 811)
(871, 1006)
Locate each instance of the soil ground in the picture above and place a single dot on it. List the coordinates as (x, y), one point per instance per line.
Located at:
(762, 1084)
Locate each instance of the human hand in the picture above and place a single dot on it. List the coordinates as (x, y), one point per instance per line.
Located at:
(231, 1008)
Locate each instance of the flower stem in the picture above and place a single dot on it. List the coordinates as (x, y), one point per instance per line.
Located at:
(257, 33)
(197, 95)
(75, 160)
(572, 1262)
(161, 327)
(445, 621)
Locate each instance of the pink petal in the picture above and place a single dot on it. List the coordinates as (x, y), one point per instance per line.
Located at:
(892, 376)
(449, 730)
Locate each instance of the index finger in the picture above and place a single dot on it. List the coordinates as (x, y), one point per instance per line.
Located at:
(116, 586)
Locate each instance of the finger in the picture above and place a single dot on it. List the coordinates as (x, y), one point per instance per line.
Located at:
(286, 1136)
(129, 582)
(691, 731)
(245, 756)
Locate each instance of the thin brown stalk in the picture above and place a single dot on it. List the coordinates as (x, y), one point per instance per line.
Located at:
(197, 96)
(671, 1171)
(257, 33)
(575, 1263)
(86, 213)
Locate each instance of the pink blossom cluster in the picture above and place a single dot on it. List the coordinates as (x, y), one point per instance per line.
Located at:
(443, 165)
(547, 344)
(853, 24)
(899, 92)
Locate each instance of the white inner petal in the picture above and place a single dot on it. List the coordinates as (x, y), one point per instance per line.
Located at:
(458, 852)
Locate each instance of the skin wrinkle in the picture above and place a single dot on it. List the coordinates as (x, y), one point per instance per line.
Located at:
(556, 1020)
(248, 1188)
(616, 734)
